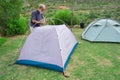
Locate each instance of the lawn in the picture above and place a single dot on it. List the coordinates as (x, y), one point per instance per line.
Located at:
(90, 61)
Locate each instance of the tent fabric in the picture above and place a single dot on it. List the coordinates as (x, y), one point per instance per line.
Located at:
(103, 30)
(48, 47)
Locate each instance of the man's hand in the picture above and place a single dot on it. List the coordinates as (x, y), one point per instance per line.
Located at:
(35, 21)
(43, 22)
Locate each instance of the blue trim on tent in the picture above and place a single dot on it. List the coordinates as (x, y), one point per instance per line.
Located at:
(70, 55)
(39, 64)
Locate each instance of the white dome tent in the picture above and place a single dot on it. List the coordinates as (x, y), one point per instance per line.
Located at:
(103, 30)
(48, 47)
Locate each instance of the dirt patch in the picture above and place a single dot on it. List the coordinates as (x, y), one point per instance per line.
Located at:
(77, 61)
(63, 7)
(21, 67)
(102, 62)
(4, 59)
(89, 71)
(74, 64)
(105, 62)
(118, 57)
(13, 38)
(78, 79)
(71, 67)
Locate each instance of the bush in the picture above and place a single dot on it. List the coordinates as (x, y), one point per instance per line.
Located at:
(10, 17)
(2, 41)
(16, 27)
(64, 17)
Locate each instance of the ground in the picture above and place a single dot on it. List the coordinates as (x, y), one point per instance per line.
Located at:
(90, 61)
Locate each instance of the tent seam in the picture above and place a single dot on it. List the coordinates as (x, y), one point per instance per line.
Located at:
(59, 48)
(101, 30)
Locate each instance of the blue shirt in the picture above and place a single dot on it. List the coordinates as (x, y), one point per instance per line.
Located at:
(36, 15)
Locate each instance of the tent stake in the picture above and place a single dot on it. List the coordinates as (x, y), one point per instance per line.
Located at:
(66, 76)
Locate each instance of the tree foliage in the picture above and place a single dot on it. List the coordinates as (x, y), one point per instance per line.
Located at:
(64, 17)
(9, 15)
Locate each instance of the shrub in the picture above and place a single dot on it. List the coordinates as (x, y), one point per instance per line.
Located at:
(64, 16)
(22, 25)
(10, 17)
(2, 41)
(16, 27)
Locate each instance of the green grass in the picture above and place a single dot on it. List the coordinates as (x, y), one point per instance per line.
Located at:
(2, 41)
(90, 61)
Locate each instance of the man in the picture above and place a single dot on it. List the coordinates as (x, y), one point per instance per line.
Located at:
(37, 17)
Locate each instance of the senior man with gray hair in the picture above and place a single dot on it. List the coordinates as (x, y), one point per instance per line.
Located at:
(37, 17)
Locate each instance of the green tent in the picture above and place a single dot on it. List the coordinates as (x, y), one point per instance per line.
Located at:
(103, 30)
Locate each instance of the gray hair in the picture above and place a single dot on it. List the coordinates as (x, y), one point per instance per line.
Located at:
(42, 6)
